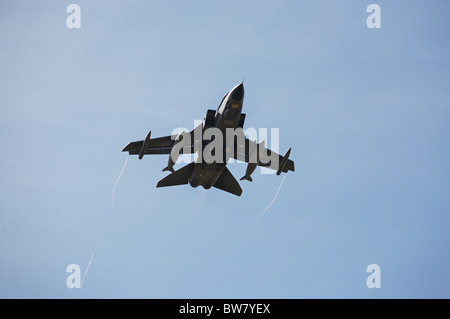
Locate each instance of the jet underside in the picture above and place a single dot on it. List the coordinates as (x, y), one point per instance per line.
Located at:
(212, 173)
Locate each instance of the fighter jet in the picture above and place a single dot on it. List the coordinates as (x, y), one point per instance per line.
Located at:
(213, 142)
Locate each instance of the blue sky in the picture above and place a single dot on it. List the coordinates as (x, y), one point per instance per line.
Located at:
(365, 111)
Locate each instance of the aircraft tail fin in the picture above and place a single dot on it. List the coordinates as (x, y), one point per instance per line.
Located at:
(228, 183)
(179, 177)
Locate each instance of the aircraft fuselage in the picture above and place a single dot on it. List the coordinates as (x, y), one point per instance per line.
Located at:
(227, 116)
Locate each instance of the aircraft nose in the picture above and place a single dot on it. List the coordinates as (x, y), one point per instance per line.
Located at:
(238, 92)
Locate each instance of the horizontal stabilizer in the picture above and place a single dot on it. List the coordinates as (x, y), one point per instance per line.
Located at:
(180, 177)
(228, 183)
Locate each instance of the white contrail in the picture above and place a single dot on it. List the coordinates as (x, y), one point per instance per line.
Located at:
(273, 200)
(254, 225)
(92, 256)
(115, 184)
(232, 274)
(100, 237)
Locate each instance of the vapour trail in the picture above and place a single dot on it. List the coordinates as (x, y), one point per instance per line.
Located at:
(100, 237)
(254, 225)
(273, 200)
(232, 274)
(115, 184)
(92, 256)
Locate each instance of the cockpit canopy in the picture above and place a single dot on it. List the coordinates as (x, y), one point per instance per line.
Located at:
(222, 101)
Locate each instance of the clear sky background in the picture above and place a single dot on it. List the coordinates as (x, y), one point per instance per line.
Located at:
(366, 112)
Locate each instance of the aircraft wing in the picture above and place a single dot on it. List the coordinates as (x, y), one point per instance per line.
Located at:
(248, 152)
(160, 145)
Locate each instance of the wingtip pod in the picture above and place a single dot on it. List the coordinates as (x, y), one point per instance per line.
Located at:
(145, 145)
(284, 161)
